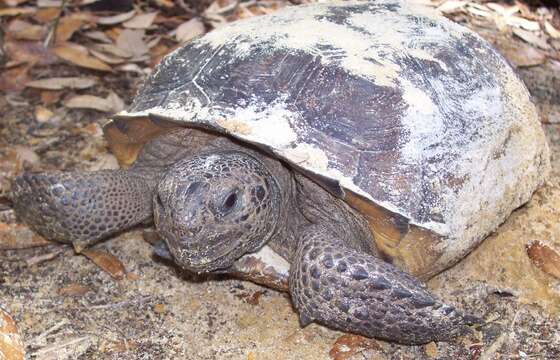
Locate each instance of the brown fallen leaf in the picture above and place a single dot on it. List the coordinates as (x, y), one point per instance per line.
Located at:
(107, 262)
(348, 345)
(46, 15)
(19, 236)
(113, 60)
(522, 23)
(22, 30)
(111, 104)
(11, 344)
(77, 57)
(49, 3)
(545, 258)
(17, 11)
(523, 55)
(14, 79)
(451, 6)
(141, 21)
(531, 38)
(116, 19)
(189, 30)
(67, 26)
(98, 36)
(112, 50)
(31, 52)
(551, 30)
(13, 3)
(60, 83)
(74, 289)
(132, 41)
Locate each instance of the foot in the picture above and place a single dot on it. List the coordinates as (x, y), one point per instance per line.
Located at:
(81, 208)
(356, 292)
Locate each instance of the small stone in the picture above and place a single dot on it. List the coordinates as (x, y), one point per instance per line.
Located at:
(159, 309)
(431, 350)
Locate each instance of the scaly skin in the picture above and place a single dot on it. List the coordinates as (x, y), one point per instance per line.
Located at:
(82, 208)
(356, 292)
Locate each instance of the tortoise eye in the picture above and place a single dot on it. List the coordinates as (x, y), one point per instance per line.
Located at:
(230, 201)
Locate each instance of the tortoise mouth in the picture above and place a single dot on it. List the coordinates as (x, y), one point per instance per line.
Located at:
(200, 257)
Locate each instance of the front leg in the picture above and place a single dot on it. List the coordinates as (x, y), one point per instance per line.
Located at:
(352, 291)
(81, 208)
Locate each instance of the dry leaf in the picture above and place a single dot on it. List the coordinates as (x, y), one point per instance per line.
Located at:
(113, 60)
(23, 30)
(99, 36)
(19, 236)
(521, 54)
(49, 3)
(74, 289)
(46, 15)
(66, 28)
(189, 30)
(503, 10)
(14, 79)
(117, 19)
(132, 42)
(522, 23)
(17, 11)
(13, 3)
(551, 30)
(71, 54)
(111, 104)
(107, 262)
(545, 258)
(62, 83)
(31, 52)
(11, 344)
(42, 114)
(479, 11)
(112, 50)
(531, 38)
(141, 21)
(451, 6)
(348, 345)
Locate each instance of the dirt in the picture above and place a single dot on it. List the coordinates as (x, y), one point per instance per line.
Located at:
(68, 308)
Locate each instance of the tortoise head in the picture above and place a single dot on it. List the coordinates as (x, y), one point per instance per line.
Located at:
(213, 208)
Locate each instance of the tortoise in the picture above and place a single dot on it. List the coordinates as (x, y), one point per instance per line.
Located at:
(365, 145)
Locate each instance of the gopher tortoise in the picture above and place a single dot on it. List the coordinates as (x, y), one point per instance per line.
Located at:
(362, 143)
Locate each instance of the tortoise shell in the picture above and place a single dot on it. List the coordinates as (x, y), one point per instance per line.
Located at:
(414, 120)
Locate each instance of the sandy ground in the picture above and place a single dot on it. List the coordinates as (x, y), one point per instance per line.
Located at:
(68, 308)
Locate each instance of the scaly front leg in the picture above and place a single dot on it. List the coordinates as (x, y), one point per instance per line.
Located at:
(352, 291)
(81, 208)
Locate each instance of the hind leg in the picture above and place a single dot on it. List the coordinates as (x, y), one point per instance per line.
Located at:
(82, 208)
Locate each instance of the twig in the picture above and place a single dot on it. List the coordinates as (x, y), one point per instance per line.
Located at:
(48, 331)
(60, 345)
(34, 260)
(121, 303)
(51, 36)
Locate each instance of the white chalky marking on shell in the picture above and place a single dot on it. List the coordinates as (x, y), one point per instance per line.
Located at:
(271, 126)
(355, 53)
